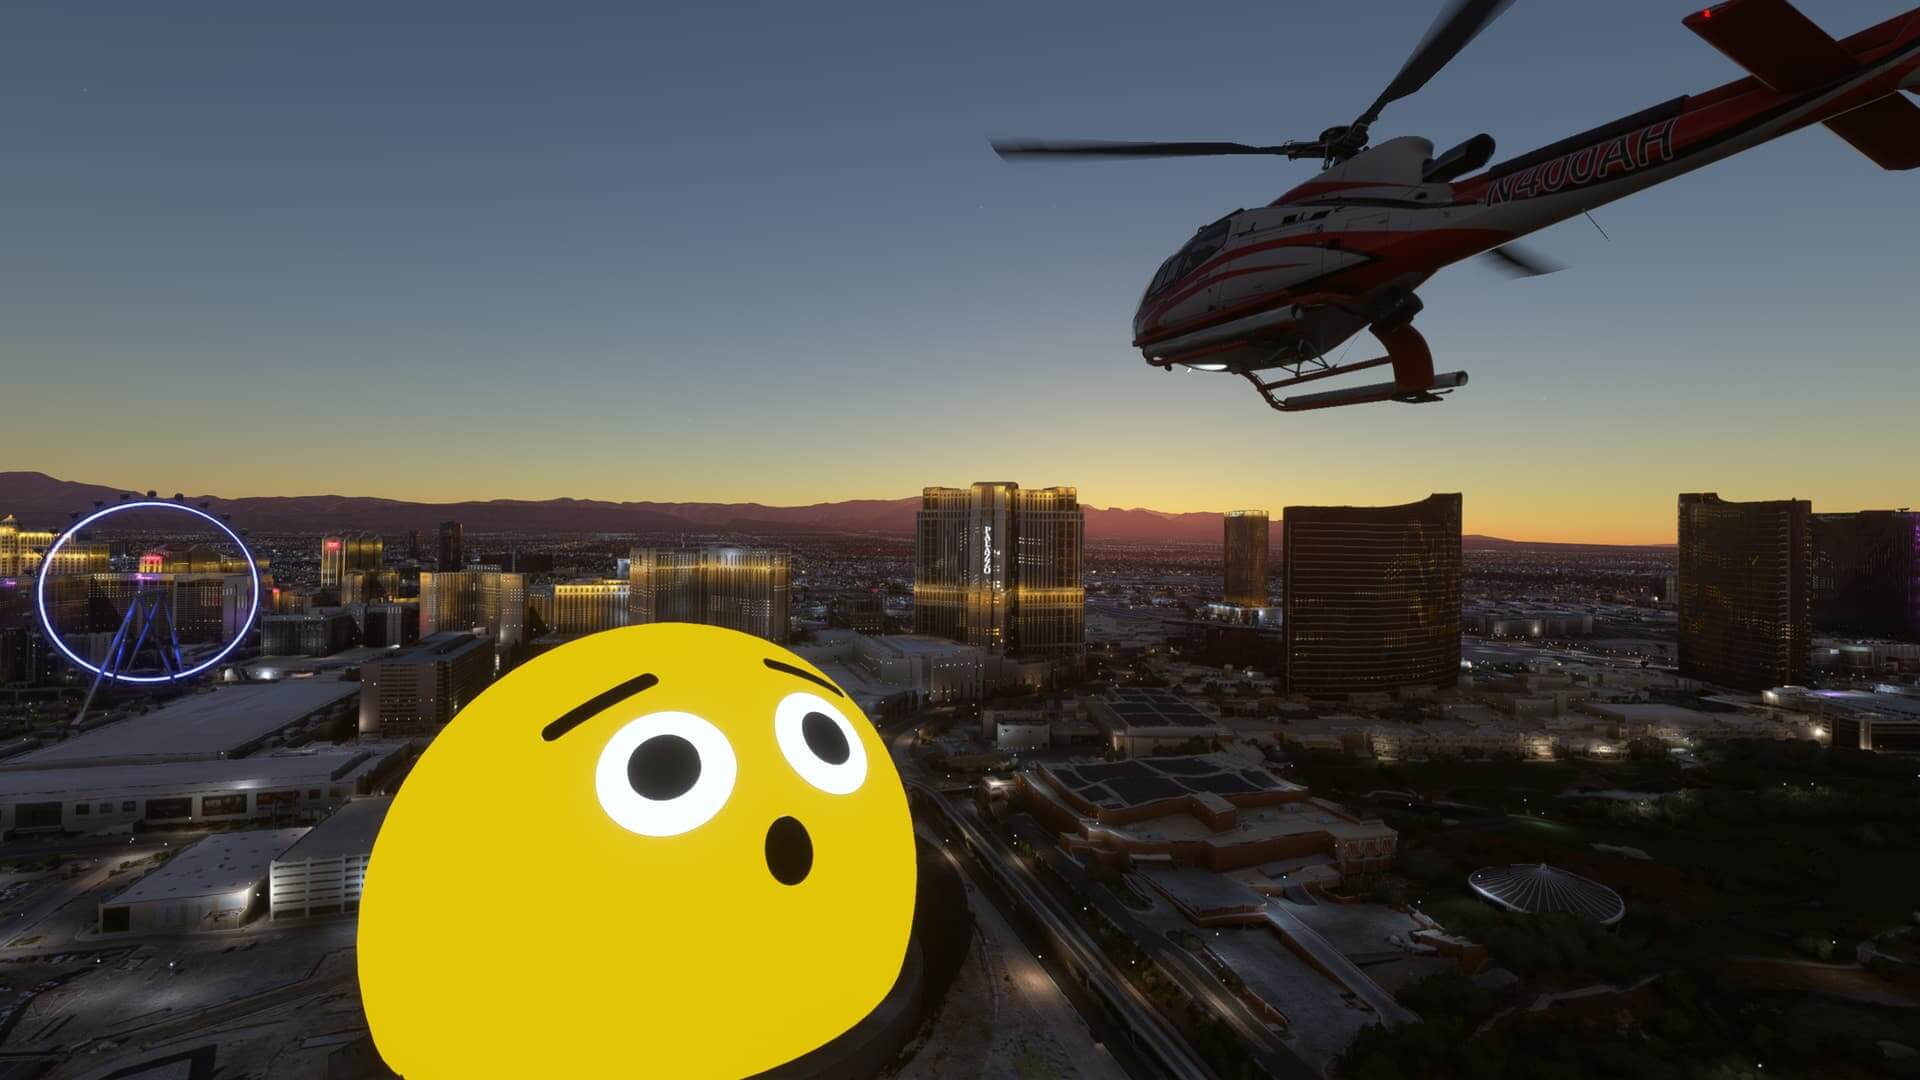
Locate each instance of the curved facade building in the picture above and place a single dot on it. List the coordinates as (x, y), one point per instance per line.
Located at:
(1372, 596)
(1745, 596)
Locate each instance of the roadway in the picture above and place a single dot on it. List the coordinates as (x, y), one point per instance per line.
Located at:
(1149, 1031)
(1031, 989)
(1336, 964)
(1266, 1047)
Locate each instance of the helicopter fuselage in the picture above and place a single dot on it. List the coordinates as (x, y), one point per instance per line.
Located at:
(1282, 285)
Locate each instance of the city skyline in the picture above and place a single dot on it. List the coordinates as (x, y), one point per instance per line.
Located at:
(1203, 520)
(733, 541)
(480, 225)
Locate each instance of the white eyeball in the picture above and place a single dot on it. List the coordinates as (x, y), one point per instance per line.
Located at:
(665, 773)
(820, 743)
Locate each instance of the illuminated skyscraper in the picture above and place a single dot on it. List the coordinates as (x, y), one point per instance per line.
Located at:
(1866, 573)
(745, 589)
(1246, 558)
(1000, 567)
(1372, 596)
(344, 554)
(588, 607)
(453, 552)
(465, 600)
(1745, 590)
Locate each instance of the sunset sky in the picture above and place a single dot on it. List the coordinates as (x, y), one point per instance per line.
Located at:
(762, 252)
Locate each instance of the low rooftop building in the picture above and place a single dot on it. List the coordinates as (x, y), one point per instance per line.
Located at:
(225, 722)
(1142, 721)
(1203, 810)
(218, 882)
(1885, 719)
(323, 873)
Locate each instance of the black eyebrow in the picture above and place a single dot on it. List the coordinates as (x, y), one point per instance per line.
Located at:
(807, 675)
(599, 703)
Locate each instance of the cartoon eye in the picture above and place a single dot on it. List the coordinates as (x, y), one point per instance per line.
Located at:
(820, 743)
(665, 773)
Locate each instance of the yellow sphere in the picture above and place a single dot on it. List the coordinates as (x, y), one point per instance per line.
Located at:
(662, 851)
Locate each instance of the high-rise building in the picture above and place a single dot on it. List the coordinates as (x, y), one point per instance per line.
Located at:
(492, 602)
(202, 608)
(413, 544)
(1866, 574)
(1745, 590)
(862, 610)
(1246, 558)
(315, 633)
(344, 554)
(588, 607)
(999, 566)
(369, 586)
(453, 552)
(394, 623)
(745, 589)
(1371, 596)
(420, 688)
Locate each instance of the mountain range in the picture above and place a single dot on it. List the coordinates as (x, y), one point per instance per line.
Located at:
(43, 501)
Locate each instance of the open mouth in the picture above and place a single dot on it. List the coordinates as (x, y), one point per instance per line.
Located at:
(789, 851)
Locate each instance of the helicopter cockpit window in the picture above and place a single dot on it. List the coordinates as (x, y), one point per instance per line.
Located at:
(1202, 247)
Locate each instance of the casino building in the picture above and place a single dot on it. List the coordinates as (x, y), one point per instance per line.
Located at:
(744, 589)
(1745, 591)
(1372, 597)
(999, 566)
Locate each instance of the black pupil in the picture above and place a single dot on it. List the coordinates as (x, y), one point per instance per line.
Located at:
(824, 738)
(664, 767)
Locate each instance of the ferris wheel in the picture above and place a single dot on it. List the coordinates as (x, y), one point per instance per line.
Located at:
(145, 647)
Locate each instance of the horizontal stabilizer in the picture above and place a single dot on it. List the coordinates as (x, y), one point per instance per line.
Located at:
(1887, 131)
(1774, 41)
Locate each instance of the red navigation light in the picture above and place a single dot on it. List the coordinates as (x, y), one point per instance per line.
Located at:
(333, 545)
(1706, 13)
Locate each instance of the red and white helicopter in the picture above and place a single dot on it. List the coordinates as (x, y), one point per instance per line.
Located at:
(1275, 289)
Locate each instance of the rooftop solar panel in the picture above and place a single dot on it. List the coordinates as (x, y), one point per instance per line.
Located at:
(1110, 770)
(1220, 784)
(1145, 789)
(1185, 766)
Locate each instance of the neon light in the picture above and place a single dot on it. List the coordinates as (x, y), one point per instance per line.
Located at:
(53, 635)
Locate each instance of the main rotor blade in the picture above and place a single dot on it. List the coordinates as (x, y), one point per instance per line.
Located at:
(1518, 261)
(1010, 149)
(1457, 25)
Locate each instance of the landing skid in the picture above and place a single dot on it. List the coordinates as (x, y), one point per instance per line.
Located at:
(1414, 381)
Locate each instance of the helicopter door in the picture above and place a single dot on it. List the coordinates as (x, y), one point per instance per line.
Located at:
(1349, 228)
